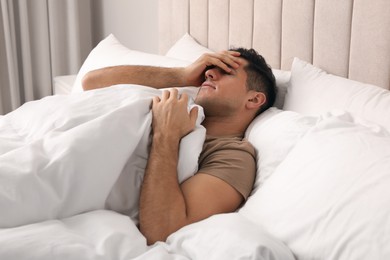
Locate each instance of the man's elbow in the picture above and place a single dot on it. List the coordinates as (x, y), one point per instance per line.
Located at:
(152, 238)
(151, 241)
(87, 81)
(157, 232)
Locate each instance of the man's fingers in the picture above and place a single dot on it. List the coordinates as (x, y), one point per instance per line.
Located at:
(234, 53)
(231, 60)
(184, 97)
(231, 56)
(221, 64)
(225, 60)
(165, 95)
(174, 93)
(194, 115)
(156, 99)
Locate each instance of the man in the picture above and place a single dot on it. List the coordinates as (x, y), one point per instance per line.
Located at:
(235, 86)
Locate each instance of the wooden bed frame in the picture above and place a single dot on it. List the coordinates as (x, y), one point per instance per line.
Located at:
(347, 38)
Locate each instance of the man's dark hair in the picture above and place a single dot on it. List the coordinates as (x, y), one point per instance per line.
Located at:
(260, 76)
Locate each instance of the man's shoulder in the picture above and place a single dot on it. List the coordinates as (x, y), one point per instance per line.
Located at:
(233, 144)
(231, 159)
(229, 142)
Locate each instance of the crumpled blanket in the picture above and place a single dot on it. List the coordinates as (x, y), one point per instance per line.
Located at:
(64, 155)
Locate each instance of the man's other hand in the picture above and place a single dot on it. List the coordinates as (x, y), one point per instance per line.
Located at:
(170, 115)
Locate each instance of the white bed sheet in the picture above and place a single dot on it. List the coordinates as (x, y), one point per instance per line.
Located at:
(107, 235)
(95, 235)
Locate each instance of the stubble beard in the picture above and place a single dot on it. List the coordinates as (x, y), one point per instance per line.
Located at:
(212, 107)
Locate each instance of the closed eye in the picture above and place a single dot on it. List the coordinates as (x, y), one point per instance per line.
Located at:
(209, 67)
(224, 72)
(220, 71)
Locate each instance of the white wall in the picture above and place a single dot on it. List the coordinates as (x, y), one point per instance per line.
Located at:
(133, 22)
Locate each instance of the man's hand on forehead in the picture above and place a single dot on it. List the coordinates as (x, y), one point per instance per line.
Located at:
(193, 75)
(226, 60)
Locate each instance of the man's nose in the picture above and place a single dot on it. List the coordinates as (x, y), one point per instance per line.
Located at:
(211, 74)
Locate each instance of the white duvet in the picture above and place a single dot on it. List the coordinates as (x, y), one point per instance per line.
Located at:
(70, 165)
(107, 235)
(64, 155)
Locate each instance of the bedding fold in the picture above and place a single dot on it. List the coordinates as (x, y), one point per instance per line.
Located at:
(63, 155)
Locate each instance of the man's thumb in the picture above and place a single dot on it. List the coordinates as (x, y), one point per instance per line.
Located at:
(194, 114)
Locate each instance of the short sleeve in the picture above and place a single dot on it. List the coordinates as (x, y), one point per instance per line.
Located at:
(232, 161)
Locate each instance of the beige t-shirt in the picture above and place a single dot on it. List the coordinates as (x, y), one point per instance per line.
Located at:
(231, 159)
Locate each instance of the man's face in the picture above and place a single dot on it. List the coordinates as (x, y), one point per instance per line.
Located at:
(222, 93)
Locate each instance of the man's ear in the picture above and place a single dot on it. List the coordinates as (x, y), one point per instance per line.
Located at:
(255, 100)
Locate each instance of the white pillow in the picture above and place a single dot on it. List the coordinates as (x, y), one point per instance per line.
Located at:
(312, 91)
(187, 48)
(110, 52)
(273, 134)
(330, 197)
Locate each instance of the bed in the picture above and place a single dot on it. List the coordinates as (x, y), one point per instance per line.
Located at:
(323, 150)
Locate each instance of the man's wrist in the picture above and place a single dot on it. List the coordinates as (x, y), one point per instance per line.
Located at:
(181, 77)
(166, 139)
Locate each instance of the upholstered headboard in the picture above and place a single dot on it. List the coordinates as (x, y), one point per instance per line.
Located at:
(349, 38)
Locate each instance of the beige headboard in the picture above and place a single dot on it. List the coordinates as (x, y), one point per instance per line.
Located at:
(349, 38)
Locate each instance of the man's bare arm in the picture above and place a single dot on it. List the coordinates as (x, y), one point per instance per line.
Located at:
(166, 206)
(162, 205)
(155, 77)
(160, 77)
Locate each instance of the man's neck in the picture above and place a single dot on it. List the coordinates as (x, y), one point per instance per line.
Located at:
(217, 126)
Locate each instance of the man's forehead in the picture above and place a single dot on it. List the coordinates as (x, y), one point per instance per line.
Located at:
(243, 63)
(242, 60)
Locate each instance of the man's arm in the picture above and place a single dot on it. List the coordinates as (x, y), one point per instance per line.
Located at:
(165, 205)
(159, 77)
(155, 77)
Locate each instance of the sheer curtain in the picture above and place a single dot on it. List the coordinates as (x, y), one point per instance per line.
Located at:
(40, 39)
